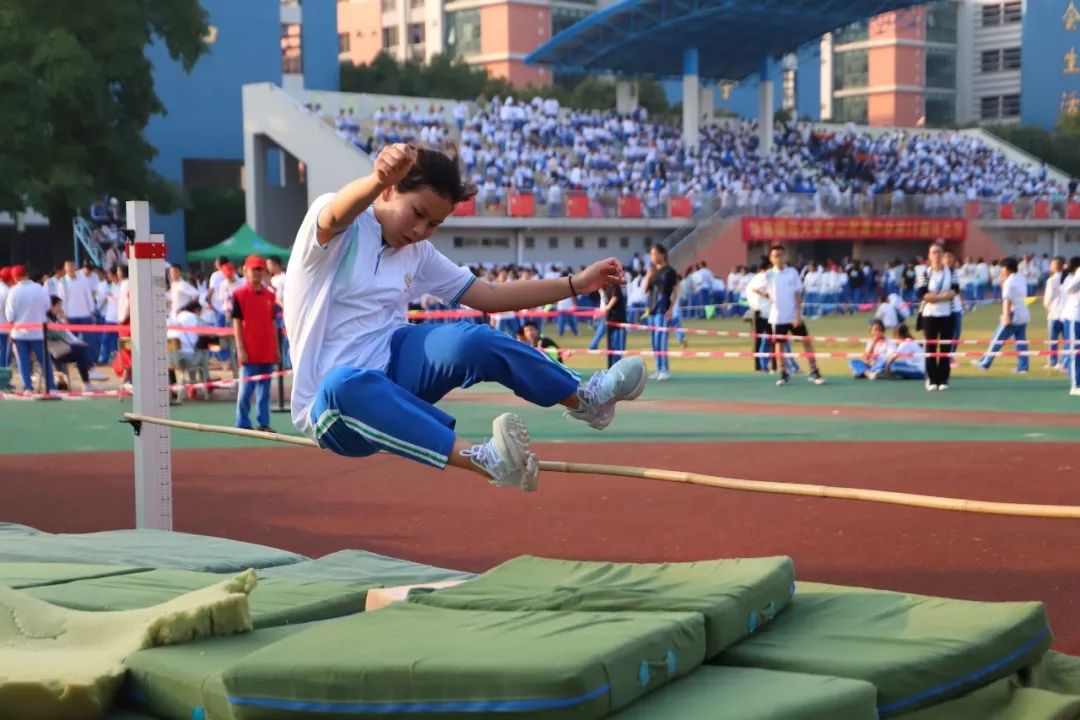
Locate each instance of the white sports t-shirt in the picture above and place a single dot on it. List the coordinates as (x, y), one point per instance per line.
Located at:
(783, 286)
(1070, 303)
(1015, 289)
(344, 300)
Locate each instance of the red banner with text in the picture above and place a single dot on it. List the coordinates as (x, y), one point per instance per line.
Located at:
(760, 229)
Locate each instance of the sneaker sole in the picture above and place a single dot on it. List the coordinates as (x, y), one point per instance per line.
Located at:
(512, 438)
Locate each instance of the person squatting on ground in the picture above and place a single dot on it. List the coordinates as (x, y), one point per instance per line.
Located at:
(366, 380)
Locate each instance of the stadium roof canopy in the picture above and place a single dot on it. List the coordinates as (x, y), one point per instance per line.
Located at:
(733, 37)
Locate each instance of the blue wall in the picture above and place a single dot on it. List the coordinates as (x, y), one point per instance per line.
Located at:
(320, 45)
(204, 110)
(1044, 81)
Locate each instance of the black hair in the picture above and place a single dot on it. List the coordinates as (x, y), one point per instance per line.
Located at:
(53, 299)
(221, 260)
(530, 323)
(193, 307)
(1010, 264)
(777, 246)
(440, 172)
(274, 258)
(878, 323)
(1074, 264)
(903, 332)
(660, 249)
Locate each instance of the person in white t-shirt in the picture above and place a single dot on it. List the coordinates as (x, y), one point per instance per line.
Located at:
(181, 292)
(875, 355)
(907, 361)
(1053, 301)
(1070, 315)
(365, 379)
(936, 288)
(784, 290)
(1015, 316)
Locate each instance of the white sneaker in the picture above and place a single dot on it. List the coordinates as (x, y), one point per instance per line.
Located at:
(1075, 392)
(507, 456)
(978, 364)
(98, 376)
(90, 387)
(871, 375)
(931, 388)
(663, 375)
(943, 387)
(596, 398)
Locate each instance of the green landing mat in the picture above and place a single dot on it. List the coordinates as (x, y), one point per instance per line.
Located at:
(411, 661)
(360, 565)
(20, 575)
(728, 693)
(918, 651)
(275, 601)
(736, 597)
(144, 548)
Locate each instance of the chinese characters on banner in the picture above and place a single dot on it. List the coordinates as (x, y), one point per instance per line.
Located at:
(1070, 98)
(760, 229)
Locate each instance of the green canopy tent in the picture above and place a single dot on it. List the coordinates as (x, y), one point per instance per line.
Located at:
(242, 243)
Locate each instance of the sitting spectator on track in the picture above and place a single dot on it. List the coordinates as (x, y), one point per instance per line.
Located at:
(907, 360)
(191, 355)
(876, 355)
(65, 347)
(530, 335)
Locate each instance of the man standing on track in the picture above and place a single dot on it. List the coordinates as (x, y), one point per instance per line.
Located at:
(784, 290)
(661, 284)
(253, 309)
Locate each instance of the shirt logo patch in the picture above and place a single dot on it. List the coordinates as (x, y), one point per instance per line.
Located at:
(408, 280)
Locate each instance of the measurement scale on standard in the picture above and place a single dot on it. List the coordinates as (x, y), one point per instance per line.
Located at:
(150, 376)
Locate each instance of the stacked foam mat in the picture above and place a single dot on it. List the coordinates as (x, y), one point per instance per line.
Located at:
(537, 638)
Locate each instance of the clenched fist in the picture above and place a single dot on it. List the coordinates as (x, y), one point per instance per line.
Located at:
(599, 275)
(393, 163)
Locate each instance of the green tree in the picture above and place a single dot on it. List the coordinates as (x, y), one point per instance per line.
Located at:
(76, 92)
(651, 96)
(1059, 147)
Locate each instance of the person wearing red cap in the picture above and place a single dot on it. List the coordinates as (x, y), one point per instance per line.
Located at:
(253, 310)
(28, 303)
(5, 338)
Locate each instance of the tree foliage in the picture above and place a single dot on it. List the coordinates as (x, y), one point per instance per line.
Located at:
(455, 79)
(76, 92)
(1059, 147)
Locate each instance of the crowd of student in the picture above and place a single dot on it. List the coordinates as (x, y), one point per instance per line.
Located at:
(655, 294)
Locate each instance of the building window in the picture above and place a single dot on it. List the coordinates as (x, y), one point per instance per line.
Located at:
(990, 61)
(416, 3)
(991, 15)
(343, 42)
(390, 36)
(940, 108)
(1013, 12)
(647, 242)
(990, 107)
(459, 241)
(416, 33)
(1010, 59)
(854, 32)
(563, 17)
(579, 242)
(624, 242)
(463, 33)
(388, 5)
(851, 69)
(941, 22)
(940, 67)
(530, 242)
(292, 59)
(553, 243)
(1010, 106)
(601, 242)
(851, 109)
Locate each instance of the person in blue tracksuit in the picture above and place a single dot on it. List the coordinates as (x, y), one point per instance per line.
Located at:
(365, 379)
(662, 286)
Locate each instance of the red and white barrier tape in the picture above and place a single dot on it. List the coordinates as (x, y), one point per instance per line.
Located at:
(120, 392)
(836, 355)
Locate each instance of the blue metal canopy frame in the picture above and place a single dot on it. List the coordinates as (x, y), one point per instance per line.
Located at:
(733, 37)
